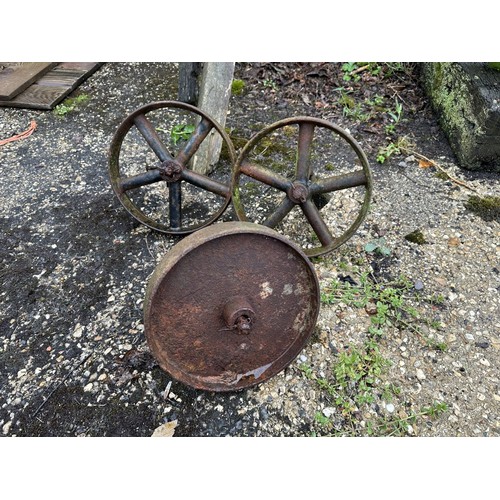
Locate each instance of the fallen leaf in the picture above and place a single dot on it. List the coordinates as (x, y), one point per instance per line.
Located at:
(306, 99)
(136, 359)
(424, 163)
(165, 430)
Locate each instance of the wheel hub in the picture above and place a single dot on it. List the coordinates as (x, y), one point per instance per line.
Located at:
(170, 170)
(298, 192)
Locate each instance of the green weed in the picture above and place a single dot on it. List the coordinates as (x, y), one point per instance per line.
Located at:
(347, 69)
(393, 148)
(395, 116)
(378, 246)
(181, 132)
(270, 84)
(355, 379)
(400, 426)
(70, 104)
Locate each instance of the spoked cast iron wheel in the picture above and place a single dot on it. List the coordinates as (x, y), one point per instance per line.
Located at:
(305, 187)
(170, 170)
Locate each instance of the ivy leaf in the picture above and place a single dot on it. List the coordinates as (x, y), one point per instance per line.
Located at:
(182, 131)
(384, 251)
(370, 247)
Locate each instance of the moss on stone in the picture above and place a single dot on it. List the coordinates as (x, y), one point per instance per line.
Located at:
(494, 65)
(448, 87)
(442, 175)
(488, 207)
(237, 87)
(416, 237)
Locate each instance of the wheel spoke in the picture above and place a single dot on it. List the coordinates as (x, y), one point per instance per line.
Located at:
(199, 135)
(174, 204)
(306, 132)
(152, 138)
(204, 182)
(280, 213)
(338, 182)
(139, 180)
(265, 176)
(317, 223)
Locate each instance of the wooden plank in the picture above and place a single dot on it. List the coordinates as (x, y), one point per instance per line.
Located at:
(52, 88)
(16, 77)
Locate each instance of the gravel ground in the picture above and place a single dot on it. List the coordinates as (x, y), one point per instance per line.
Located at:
(74, 267)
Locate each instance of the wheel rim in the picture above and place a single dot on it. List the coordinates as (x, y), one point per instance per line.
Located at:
(171, 170)
(302, 189)
(210, 280)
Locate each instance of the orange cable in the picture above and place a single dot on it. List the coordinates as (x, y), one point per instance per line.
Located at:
(22, 135)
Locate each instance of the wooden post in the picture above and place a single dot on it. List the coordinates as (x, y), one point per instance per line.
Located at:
(188, 82)
(213, 99)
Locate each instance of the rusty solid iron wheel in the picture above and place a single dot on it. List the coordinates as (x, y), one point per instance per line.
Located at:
(171, 170)
(230, 306)
(305, 188)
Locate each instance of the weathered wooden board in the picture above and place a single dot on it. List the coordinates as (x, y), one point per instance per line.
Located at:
(53, 87)
(16, 77)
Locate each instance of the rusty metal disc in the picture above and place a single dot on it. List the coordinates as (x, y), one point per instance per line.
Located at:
(230, 306)
(295, 168)
(152, 172)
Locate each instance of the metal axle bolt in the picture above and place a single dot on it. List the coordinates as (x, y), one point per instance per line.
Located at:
(298, 192)
(170, 170)
(239, 315)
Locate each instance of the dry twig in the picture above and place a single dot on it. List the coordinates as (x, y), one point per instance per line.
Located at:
(440, 168)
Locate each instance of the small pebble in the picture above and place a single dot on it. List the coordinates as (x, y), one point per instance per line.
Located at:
(482, 345)
(6, 427)
(328, 411)
(419, 285)
(420, 374)
(389, 407)
(78, 331)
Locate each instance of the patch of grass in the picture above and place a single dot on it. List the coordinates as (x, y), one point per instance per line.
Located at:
(386, 152)
(401, 426)
(388, 304)
(70, 104)
(347, 69)
(442, 176)
(355, 380)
